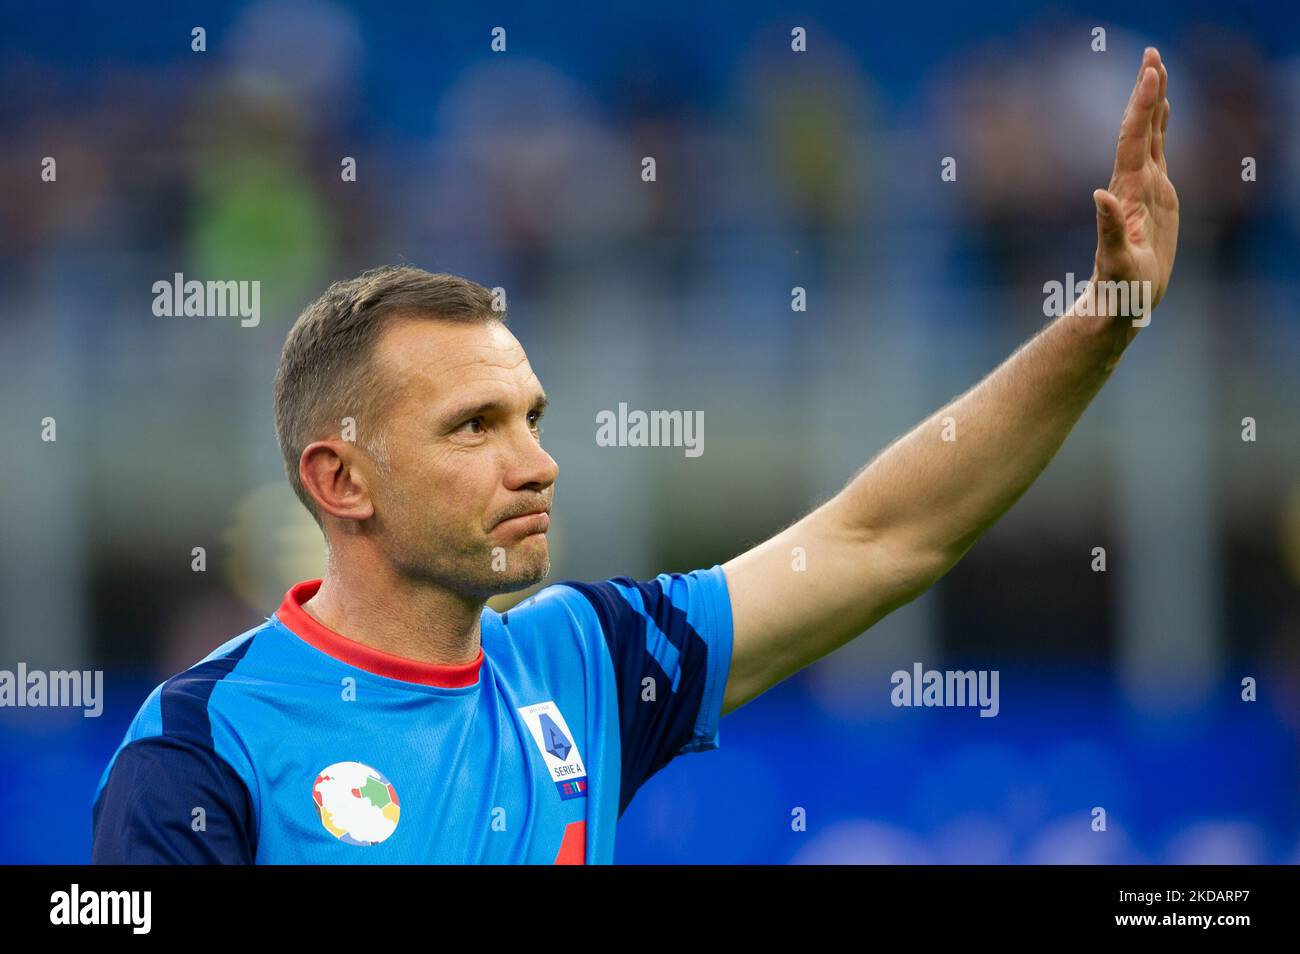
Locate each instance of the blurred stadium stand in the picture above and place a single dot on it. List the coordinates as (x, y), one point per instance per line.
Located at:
(1119, 689)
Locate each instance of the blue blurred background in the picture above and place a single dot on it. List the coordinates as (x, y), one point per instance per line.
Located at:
(521, 169)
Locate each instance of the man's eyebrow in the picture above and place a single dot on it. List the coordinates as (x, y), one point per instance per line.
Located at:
(466, 411)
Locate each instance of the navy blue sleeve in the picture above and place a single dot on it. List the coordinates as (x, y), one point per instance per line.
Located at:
(669, 641)
(145, 813)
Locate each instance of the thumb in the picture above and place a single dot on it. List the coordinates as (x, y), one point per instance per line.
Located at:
(1110, 222)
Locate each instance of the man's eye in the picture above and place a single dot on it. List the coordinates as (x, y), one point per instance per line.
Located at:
(475, 425)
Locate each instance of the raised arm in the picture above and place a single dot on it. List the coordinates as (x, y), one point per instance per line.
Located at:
(912, 513)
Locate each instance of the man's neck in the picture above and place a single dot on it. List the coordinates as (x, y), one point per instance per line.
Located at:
(414, 620)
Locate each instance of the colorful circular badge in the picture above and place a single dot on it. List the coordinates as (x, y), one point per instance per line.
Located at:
(357, 805)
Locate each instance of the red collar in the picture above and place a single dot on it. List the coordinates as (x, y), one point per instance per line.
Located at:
(305, 626)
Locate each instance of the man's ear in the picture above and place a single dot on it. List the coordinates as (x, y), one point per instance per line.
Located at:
(328, 469)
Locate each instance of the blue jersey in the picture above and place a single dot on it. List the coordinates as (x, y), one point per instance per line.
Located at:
(292, 744)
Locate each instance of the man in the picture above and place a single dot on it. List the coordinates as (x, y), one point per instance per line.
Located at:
(385, 714)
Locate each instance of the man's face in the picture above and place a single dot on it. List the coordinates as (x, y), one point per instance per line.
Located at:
(465, 501)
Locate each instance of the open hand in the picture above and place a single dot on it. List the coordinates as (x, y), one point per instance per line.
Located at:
(1137, 215)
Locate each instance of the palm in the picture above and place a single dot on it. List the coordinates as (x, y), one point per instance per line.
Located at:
(1144, 199)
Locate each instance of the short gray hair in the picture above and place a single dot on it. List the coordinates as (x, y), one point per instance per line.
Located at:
(326, 372)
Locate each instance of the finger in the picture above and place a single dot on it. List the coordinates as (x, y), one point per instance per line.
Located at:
(1160, 95)
(1158, 136)
(1111, 237)
(1150, 57)
(1158, 114)
(1135, 128)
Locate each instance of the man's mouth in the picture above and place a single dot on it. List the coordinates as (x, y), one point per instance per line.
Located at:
(538, 521)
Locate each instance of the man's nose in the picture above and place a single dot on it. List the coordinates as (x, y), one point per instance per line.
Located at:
(533, 467)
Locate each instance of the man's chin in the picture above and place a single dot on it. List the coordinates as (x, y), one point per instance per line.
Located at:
(520, 571)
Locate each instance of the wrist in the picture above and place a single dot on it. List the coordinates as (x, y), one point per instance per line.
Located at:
(1110, 313)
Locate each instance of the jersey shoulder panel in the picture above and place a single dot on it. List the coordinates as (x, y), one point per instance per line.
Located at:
(170, 764)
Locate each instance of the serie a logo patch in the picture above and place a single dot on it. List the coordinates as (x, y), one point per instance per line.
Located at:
(558, 747)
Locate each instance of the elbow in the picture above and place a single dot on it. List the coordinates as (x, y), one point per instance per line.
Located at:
(908, 568)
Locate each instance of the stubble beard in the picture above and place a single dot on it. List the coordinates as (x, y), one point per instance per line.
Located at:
(478, 569)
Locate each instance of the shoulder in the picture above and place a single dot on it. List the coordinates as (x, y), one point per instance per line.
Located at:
(185, 717)
(185, 703)
(667, 602)
(622, 611)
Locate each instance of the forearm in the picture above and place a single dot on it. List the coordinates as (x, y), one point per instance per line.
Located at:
(935, 490)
